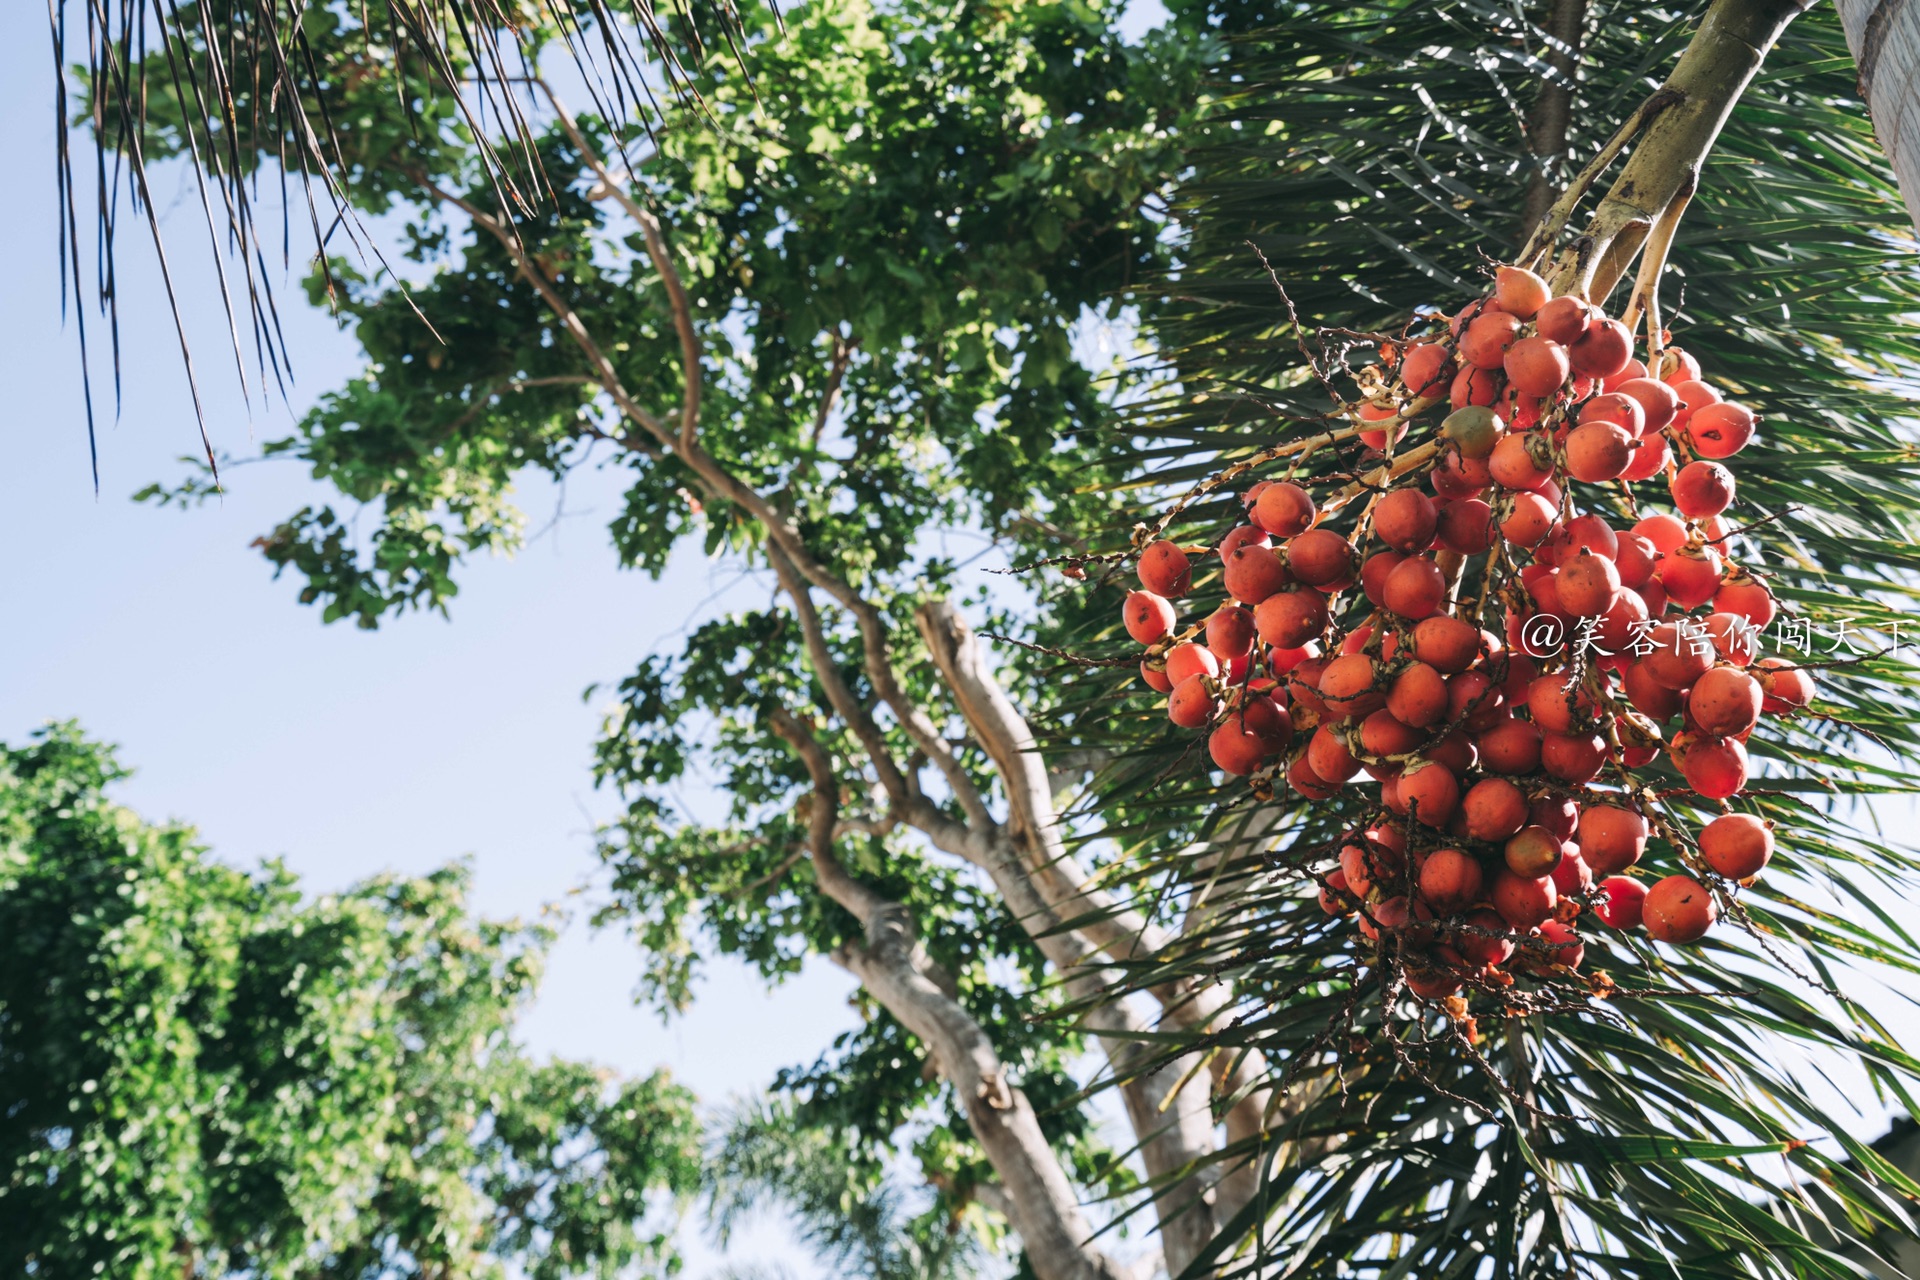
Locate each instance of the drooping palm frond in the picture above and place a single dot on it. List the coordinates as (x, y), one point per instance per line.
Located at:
(1675, 1121)
(237, 70)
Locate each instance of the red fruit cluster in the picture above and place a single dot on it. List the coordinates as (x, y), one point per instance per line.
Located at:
(1360, 644)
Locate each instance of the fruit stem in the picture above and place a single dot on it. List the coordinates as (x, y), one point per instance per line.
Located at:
(1653, 264)
(1406, 462)
(1541, 243)
(1453, 567)
(1719, 62)
(1143, 534)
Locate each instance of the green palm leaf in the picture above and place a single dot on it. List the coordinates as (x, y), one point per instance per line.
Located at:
(1373, 153)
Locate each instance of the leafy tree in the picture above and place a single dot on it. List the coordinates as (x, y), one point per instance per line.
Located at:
(203, 1073)
(822, 313)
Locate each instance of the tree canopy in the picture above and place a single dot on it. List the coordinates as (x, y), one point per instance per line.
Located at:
(205, 1072)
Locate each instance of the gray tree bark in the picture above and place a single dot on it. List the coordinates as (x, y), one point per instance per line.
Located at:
(1885, 38)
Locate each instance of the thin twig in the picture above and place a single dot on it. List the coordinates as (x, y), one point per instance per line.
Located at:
(1063, 654)
(657, 251)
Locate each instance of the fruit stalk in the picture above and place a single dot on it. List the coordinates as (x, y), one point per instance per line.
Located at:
(1540, 244)
(1718, 64)
(1644, 301)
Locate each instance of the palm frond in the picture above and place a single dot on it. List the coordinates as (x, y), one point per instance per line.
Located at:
(1671, 1118)
(238, 70)
(855, 1219)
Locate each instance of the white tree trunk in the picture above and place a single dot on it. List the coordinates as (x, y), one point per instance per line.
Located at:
(1885, 38)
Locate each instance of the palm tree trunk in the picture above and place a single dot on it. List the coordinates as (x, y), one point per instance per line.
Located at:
(1552, 111)
(1885, 38)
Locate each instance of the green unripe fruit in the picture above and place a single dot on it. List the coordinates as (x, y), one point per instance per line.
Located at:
(1474, 430)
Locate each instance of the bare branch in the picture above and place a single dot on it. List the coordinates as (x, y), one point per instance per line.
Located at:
(827, 671)
(1040, 1199)
(1645, 298)
(722, 483)
(604, 372)
(861, 901)
(1170, 1111)
(836, 374)
(1174, 1140)
(1045, 1210)
(657, 252)
(1008, 739)
(1541, 243)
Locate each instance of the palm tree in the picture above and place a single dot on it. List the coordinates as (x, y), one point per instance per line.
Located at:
(764, 1159)
(471, 58)
(1885, 39)
(1371, 154)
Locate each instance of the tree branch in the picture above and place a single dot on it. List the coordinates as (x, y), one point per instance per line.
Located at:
(1008, 740)
(1645, 298)
(486, 398)
(1719, 62)
(862, 902)
(1169, 1106)
(1046, 1212)
(827, 671)
(1040, 1200)
(836, 374)
(656, 241)
(1169, 1109)
(722, 483)
(889, 964)
(1540, 244)
(1552, 111)
(604, 373)
(1121, 933)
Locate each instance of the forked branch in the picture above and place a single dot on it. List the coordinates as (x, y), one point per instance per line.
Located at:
(891, 964)
(1734, 38)
(1038, 890)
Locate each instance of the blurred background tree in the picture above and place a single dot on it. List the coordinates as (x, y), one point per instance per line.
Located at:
(203, 1073)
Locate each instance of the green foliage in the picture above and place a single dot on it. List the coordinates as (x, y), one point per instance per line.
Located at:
(202, 1072)
(915, 202)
